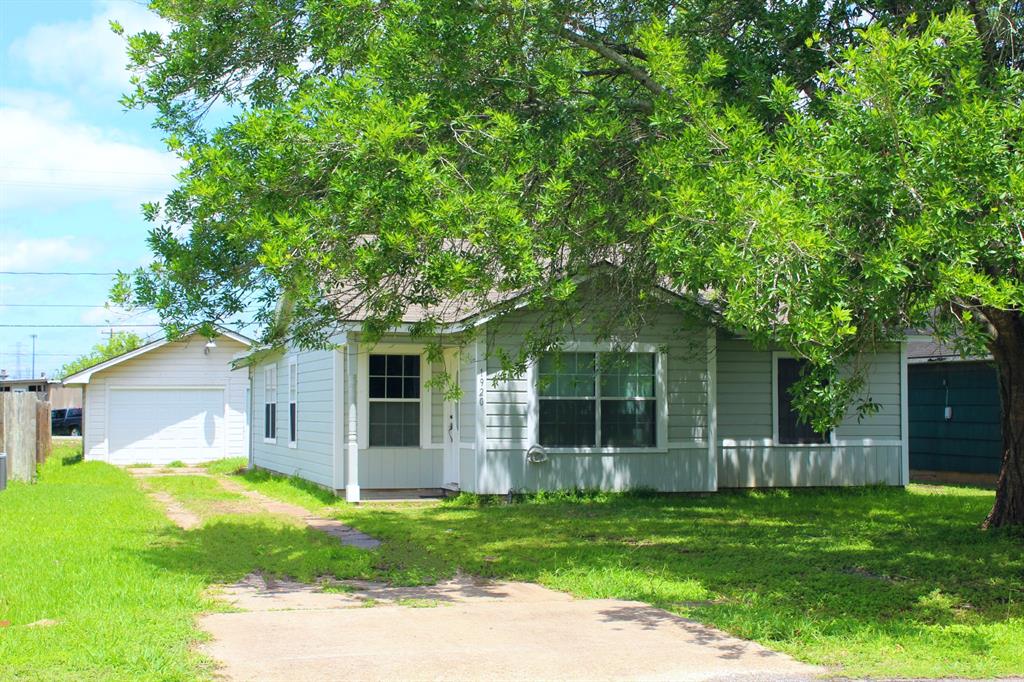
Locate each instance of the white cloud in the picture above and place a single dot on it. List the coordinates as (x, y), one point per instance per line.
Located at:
(47, 158)
(47, 253)
(85, 55)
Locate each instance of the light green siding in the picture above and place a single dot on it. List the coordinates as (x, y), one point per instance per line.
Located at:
(769, 467)
(400, 468)
(312, 457)
(867, 451)
(682, 466)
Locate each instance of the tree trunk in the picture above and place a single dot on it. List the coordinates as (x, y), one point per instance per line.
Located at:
(1007, 348)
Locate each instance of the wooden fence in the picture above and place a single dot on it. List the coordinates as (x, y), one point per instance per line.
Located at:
(24, 434)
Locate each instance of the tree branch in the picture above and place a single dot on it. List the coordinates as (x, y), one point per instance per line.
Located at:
(631, 69)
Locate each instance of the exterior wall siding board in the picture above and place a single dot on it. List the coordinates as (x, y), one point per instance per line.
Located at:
(313, 456)
(503, 464)
(969, 442)
(400, 467)
(745, 413)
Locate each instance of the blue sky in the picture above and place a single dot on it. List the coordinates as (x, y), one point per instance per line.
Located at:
(74, 168)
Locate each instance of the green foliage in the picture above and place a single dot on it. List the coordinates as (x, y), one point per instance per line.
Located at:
(118, 344)
(818, 176)
(872, 582)
(826, 177)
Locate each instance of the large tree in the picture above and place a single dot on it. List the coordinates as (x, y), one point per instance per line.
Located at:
(821, 175)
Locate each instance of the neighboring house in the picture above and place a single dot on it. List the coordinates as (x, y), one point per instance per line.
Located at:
(686, 408)
(59, 396)
(167, 401)
(954, 412)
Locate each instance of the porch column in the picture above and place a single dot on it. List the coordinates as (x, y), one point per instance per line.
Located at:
(352, 461)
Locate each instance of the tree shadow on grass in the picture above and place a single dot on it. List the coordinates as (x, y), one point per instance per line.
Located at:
(781, 567)
(226, 549)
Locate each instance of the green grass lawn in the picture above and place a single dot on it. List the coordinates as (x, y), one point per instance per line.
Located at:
(116, 586)
(874, 582)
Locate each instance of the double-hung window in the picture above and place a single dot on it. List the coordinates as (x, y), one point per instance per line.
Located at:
(791, 428)
(270, 403)
(394, 400)
(293, 395)
(606, 400)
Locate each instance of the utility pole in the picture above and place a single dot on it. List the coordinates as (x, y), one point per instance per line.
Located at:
(34, 355)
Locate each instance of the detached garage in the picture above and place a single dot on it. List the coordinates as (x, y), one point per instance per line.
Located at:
(167, 401)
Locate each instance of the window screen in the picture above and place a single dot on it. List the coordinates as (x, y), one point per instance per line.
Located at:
(394, 392)
(793, 430)
(270, 403)
(293, 395)
(586, 399)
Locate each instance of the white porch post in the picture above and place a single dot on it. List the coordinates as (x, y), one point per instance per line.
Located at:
(352, 461)
(712, 407)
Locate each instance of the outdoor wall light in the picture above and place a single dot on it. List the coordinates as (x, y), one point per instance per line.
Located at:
(210, 345)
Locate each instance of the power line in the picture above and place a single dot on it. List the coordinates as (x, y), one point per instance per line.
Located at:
(83, 170)
(18, 354)
(74, 326)
(45, 274)
(50, 305)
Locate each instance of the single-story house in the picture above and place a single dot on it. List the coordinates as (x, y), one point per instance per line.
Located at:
(682, 406)
(167, 401)
(954, 412)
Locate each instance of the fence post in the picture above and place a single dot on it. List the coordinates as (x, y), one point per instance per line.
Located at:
(3, 441)
(19, 437)
(43, 440)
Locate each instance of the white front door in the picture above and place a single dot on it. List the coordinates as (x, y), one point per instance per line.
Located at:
(451, 432)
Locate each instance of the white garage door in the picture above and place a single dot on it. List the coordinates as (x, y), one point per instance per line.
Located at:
(162, 425)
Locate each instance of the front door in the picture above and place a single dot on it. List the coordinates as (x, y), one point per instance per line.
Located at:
(451, 430)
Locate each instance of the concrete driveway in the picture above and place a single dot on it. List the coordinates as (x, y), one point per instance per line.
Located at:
(469, 630)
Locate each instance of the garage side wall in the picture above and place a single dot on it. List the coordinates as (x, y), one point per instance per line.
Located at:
(181, 364)
(312, 456)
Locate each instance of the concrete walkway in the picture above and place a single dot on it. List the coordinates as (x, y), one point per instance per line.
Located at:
(469, 630)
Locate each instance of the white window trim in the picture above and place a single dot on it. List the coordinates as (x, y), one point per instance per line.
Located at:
(831, 442)
(268, 371)
(363, 394)
(661, 445)
(293, 364)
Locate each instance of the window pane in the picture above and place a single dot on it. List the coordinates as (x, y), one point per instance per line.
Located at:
(377, 387)
(566, 374)
(412, 365)
(792, 429)
(412, 388)
(567, 423)
(394, 365)
(377, 364)
(394, 387)
(627, 375)
(394, 424)
(292, 426)
(628, 423)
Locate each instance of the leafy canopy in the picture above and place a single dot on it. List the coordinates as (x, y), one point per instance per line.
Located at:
(820, 175)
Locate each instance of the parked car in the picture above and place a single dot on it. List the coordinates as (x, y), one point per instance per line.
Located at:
(66, 422)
